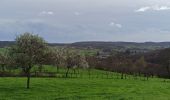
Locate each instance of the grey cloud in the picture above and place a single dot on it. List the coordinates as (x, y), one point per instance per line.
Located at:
(80, 20)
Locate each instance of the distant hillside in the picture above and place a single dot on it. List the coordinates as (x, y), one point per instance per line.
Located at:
(127, 45)
(106, 45)
(6, 43)
(59, 44)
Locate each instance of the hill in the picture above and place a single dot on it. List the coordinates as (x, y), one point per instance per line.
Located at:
(106, 45)
(130, 45)
(6, 43)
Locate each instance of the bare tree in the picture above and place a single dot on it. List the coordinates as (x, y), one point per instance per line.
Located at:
(141, 65)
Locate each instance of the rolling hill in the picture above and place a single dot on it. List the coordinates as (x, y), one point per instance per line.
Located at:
(106, 45)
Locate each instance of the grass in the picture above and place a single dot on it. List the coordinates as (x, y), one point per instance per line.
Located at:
(97, 87)
(84, 89)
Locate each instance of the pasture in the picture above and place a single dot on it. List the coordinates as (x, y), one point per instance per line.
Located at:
(84, 88)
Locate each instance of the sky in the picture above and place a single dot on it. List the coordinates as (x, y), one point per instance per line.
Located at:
(66, 21)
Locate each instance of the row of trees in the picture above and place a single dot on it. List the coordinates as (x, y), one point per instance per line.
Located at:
(31, 50)
(135, 65)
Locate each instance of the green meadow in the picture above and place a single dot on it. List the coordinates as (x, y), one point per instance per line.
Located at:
(85, 88)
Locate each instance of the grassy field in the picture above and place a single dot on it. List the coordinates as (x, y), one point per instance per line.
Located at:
(84, 89)
(97, 87)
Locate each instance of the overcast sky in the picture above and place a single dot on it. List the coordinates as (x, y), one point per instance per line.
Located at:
(86, 20)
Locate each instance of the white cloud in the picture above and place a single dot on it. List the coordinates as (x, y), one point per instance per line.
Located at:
(143, 9)
(161, 8)
(115, 25)
(153, 8)
(47, 13)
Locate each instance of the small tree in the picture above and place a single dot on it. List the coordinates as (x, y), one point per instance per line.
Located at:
(57, 57)
(163, 59)
(74, 59)
(141, 65)
(91, 63)
(3, 59)
(80, 62)
(27, 51)
(70, 60)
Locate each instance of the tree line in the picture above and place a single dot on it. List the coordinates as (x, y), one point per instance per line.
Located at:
(155, 63)
(31, 50)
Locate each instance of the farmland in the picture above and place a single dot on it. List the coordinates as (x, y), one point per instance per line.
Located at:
(97, 86)
(33, 70)
(83, 89)
(84, 50)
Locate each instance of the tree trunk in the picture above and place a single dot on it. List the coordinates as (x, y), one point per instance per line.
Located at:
(28, 76)
(28, 81)
(152, 75)
(147, 77)
(67, 72)
(139, 74)
(57, 69)
(3, 68)
(74, 71)
(122, 75)
(40, 68)
(89, 73)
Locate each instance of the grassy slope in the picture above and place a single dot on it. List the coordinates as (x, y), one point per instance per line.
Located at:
(83, 88)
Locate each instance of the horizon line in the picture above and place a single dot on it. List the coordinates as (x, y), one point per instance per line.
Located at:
(98, 41)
